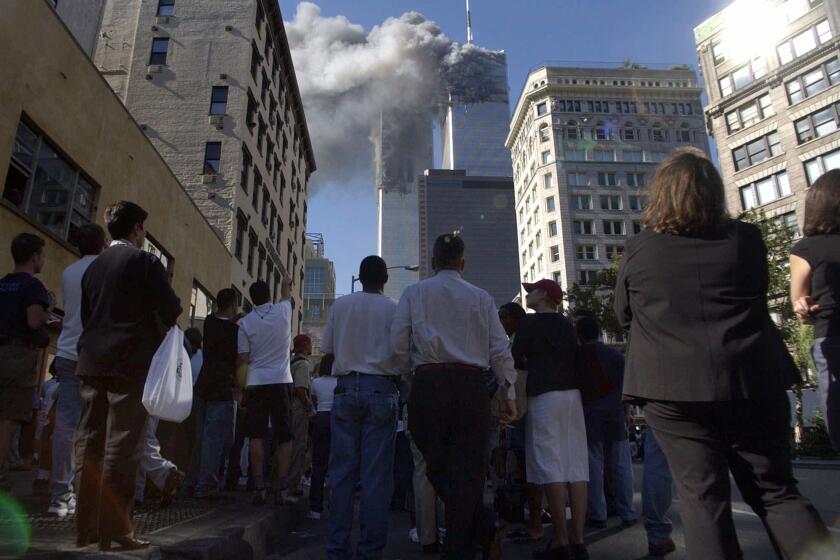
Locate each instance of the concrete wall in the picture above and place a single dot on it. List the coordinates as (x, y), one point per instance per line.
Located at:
(45, 75)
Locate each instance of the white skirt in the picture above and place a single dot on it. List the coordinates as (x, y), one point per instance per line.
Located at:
(555, 439)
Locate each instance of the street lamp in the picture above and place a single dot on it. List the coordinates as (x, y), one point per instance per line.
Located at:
(412, 268)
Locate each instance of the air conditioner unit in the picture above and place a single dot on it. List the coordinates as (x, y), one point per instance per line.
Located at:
(228, 28)
(208, 179)
(154, 69)
(218, 121)
(223, 76)
(162, 19)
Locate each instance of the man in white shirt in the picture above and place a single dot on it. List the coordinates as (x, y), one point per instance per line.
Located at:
(452, 333)
(364, 414)
(90, 239)
(264, 344)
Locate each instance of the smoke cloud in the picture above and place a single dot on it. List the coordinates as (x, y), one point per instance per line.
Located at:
(349, 76)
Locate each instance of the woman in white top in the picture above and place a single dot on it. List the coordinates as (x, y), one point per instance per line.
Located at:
(321, 389)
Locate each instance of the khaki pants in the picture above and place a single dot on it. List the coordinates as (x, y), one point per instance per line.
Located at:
(425, 500)
(300, 433)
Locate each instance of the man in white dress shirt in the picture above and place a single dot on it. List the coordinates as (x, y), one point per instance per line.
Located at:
(364, 414)
(452, 333)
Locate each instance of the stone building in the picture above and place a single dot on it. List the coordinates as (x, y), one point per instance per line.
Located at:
(69, 148)
(212, 84)
(773, 85)
(318, 289)
(583, 142)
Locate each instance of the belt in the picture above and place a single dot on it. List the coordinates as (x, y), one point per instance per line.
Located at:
(465, 368)
(360, 374)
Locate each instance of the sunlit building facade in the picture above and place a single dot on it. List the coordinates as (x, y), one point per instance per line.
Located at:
(318, 289)
(772, 73)
(584, 142)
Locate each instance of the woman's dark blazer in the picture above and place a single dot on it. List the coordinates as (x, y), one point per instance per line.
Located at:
(699, 324)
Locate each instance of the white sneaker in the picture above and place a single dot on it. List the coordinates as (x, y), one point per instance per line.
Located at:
(313, 515)
(413, 536)
(62, 508)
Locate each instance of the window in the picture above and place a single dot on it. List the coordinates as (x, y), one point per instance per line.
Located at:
(552, 229)
(538, 239)
(245, 168)
(239, 243)
(637, 226)
(757, 151)
(558, 277)
(549, 204)
(814, 168)
(718, 53)
(601, 132)
(272, 221)
(606, 179)
(574, 154)
(817, 124)
(789, 221)
(572, 132)
(540, 263)
(765, 191)
(260, 18)
(255, 60)
(260, 134)
(582, 201)
(261, 262)
(613, 227)
(585, 252)
(218, 100)
(635, 179)
(577, 179)
(545, 135)
(742, 76)
(750, 113)
(629, 132)
(554, 253)
(656, 156)
(610, 202)
(657, 134)
(814, 81)
(587, 277)
(166, 8)
(584, 227)
(632, 155)
(542, 109)
(548, 180)
(255, 193)
(47, 187)
(604, 155)
(546, 157)
(804, 42)
(683, 134)
(160, 46)
(634, 201)
(265, 202)
(613, 251)
(212, 155)
(252, 249)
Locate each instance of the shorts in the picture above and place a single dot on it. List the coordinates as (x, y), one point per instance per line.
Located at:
(18, 366)
(268, 401)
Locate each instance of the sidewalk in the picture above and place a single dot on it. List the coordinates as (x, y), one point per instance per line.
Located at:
(190, 528)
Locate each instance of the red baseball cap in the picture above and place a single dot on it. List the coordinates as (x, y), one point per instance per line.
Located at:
(300, 342)
(550, 287)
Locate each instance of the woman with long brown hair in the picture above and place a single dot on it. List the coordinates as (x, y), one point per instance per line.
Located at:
(815, 290)
(709, 366)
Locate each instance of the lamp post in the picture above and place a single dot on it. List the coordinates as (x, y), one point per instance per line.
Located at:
(412, 268)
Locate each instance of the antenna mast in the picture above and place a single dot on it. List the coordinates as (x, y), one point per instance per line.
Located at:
(469, 25)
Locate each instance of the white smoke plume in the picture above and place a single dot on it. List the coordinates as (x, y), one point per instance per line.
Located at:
(349, 76)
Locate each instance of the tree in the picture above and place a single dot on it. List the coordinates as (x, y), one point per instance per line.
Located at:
(598, 296)
(779, 239)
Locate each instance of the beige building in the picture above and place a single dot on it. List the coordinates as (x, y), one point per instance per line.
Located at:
(318, 289)
(212, 84)
(69, 148)
(773, 85)
(583, 142)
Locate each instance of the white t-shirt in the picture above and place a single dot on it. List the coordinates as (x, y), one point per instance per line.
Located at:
(322, 390)
(71, 290)
(358, 333)
(266, 333)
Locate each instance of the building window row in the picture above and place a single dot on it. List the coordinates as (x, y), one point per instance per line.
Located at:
(765, 191)
(756, 151)
(813, 81)
(608, 227)
(818, 124)
(823, 163)
(743, 76)
(623, 107)
(579, 153)
(804, 42)
(48, 187)
(750, 113)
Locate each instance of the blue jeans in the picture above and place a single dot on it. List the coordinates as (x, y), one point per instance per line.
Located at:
(67, 413)
(362, 448)
(826, 354)
(656, 491)
(216, 441)
(615, 457)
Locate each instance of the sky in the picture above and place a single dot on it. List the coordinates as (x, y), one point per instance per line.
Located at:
(531, 32)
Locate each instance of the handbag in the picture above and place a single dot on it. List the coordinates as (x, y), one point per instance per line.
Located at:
(168, 391)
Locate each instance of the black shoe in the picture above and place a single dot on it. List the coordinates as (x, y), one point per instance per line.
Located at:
(174, 478)
(431, 549)
(578, 552)
(549, 553)
(661, 549)
(125, 543)
(596, 524)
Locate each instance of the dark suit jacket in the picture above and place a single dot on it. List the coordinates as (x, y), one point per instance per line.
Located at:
(699, 325)
(127, 306)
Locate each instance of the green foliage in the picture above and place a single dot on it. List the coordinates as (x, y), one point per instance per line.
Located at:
(599, 297)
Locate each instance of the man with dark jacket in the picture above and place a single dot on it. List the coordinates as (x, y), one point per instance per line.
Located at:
(216, 387)
(127, 307)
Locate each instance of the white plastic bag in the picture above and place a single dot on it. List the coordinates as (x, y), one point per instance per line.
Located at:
(168, 390)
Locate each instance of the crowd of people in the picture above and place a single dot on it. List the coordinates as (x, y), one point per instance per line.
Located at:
(444, 381)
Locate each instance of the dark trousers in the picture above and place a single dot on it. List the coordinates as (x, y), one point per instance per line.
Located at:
(703, 442)
(108, 452)
(448, 416)
(320, 459)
